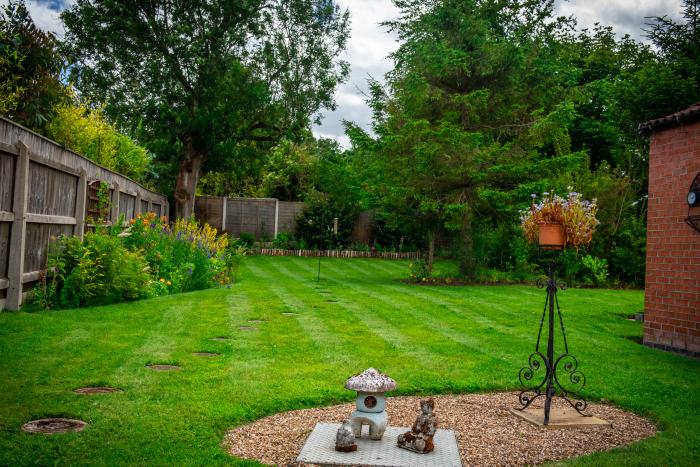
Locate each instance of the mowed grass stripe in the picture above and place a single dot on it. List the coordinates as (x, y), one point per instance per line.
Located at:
(326, 344)
(353, 297)
(348, 334)
(371, 318)
(447, 324)
(407, 334)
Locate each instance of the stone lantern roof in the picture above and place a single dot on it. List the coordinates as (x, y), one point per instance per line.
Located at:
(370, 380)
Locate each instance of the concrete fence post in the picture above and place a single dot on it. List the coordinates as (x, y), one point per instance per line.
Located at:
(277, 216)
(224, 206)
(18, 236)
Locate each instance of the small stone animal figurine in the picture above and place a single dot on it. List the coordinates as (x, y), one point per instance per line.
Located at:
(420, 438)
(345, 439)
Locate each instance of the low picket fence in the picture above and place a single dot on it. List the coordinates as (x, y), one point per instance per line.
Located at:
(337, 253)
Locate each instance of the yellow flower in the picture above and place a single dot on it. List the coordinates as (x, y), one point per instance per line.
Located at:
(169, 283)
(162, 280)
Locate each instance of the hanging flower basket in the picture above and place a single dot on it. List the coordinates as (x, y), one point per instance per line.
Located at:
(552, 236)
(557, 222)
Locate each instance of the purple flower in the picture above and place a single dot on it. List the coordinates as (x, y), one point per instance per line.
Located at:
(189, 271)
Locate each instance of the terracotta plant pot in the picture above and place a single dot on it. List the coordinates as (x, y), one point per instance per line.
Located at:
(552, 236)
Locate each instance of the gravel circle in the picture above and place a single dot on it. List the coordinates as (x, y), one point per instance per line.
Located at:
(487, 433)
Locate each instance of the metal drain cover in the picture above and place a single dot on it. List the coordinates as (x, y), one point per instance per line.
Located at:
(96, 390)
(54, 425)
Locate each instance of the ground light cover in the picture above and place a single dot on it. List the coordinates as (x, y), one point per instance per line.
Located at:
(292, 344)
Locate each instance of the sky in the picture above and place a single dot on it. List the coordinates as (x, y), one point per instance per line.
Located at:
(370, 45)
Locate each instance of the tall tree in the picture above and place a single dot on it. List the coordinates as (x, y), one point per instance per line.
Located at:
(30, 68)
(477, 104)
(207, 82)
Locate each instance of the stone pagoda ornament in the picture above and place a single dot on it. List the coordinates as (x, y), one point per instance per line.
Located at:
(371, 402)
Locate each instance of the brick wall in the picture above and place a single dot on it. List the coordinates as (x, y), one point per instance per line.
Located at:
(672, 296)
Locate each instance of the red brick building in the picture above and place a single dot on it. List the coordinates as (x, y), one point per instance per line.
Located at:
(672, 295)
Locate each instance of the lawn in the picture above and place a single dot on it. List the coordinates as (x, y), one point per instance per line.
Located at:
(429, 339)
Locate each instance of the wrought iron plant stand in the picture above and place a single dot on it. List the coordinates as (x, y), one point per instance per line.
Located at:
(562, 377)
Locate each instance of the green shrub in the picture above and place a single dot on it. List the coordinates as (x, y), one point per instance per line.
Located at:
(283, 241)
(146, 259)
(246, 239)
(418, 271)
(595, 270)
(583, 270)
(96, 271)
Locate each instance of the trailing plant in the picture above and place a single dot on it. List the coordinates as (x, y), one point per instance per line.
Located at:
(574, 213)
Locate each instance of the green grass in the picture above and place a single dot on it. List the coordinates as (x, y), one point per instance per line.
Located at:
(430, 339)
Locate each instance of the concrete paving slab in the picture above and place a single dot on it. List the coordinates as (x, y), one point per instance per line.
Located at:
(320, 449)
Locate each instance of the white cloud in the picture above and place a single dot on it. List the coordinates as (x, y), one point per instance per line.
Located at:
(625, 16)
(46, 15)
(368, 49)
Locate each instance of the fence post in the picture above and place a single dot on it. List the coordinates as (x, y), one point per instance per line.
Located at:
(223, 214)
(80, 201)
(18, 233)
(277, 216)
(115, 204)
(137, 208)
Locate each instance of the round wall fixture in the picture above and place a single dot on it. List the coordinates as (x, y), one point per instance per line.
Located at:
(693, 199)
(694, 192)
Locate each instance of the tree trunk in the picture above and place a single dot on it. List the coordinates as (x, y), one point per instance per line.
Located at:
(431, 250)
(187, 178)
(465, 249)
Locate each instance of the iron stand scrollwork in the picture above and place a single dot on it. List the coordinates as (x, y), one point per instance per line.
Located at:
(551, 383)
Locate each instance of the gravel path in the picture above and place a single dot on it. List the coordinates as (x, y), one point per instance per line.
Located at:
(487, 433)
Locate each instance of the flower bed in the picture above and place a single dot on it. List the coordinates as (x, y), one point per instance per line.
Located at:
(147, 258)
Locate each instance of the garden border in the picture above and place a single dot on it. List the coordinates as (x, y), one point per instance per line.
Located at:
(43, 193)
(337, 253)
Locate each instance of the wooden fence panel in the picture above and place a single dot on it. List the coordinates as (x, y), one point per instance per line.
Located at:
(210, 209)
(255, 216)
(44, 194)
(127, 206)
(264, 217)
(51, 191)
(7, 175)
(288, 211)
(4, 248)
(37, 243)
